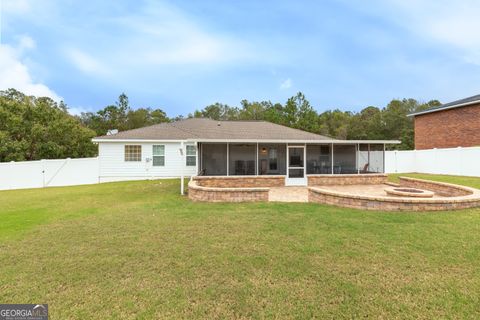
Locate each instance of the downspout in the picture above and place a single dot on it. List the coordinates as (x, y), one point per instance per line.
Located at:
(182, 187)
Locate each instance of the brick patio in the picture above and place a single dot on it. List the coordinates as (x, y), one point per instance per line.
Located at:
(288, 194)
(369, 195)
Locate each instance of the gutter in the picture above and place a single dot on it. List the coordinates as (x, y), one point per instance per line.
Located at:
(326, 141)
(444, 108)
(95, 140)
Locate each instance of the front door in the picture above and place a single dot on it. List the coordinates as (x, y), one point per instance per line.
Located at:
(296, 166)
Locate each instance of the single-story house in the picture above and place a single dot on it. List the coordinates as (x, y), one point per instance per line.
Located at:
(208, 147)
(451, 125)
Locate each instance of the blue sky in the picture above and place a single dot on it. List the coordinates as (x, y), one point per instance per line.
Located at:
(183, 55)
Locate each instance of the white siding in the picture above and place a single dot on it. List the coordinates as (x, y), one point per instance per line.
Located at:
(113, 166)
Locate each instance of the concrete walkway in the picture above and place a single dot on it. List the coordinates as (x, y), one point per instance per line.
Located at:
(288, 194)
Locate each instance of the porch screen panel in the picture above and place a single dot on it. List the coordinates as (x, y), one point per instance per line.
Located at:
(344, 158)
(319, 159)
(242, 159)
(363, 159)
(214, 159)
(272, 159)
(376, 158)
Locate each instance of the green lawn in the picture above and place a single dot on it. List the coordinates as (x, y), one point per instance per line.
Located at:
(140, 250)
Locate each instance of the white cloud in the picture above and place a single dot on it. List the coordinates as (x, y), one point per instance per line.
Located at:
(454, 24)
(175, 38)
(39, 11)
(287, 84)
(14, 73)
(76, 111)
(85, 62)
(15, 6)
(157, 34)
(25, 43)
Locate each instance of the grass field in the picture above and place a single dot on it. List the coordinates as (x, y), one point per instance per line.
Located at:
(140, 250)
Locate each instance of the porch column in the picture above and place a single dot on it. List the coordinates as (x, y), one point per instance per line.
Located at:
(286, 159)
(369, 164)
(383, 171)
(197, 151)
(256, 160)
(331, 156)
(305, 160)
(357, 157)
(228, 158)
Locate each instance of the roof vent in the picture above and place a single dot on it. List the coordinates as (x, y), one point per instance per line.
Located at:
(112, 131)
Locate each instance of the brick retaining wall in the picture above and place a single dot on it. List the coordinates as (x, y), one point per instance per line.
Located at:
(251, 189)
(240, 181)
(441, 188)
(346, 179)
(464, 198)
(214, 194)
(388, 204)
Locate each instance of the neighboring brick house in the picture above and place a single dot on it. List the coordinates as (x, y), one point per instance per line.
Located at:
(454, 124)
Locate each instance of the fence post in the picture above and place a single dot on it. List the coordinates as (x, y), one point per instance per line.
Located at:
(415, 160)
(396, 166)
(98, 172)
(10, 185)
(43, 172)
(462, 170)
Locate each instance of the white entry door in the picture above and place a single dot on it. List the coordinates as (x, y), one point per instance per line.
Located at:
(296, 166)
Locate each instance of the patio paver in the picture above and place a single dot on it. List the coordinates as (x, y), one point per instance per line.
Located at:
(288, 194)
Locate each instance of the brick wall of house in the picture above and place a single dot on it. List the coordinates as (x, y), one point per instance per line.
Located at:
(457, 127)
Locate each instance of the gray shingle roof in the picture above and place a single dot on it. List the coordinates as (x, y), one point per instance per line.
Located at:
(201, 128)
(451, 105)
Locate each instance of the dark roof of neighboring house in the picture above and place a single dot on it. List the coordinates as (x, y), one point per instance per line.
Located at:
(207, 129)
(454, 104)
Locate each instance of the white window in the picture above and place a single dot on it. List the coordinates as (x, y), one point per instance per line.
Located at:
(133, 153)
(158, 155)
(191, 156)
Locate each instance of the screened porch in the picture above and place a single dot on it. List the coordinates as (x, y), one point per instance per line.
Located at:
(291, 160)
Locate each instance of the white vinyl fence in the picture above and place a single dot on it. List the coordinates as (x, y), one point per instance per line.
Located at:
(453, 161)
(48, 173)
(70, 172)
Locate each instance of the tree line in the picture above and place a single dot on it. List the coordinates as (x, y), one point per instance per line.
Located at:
(371, 123)
(33, 128)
